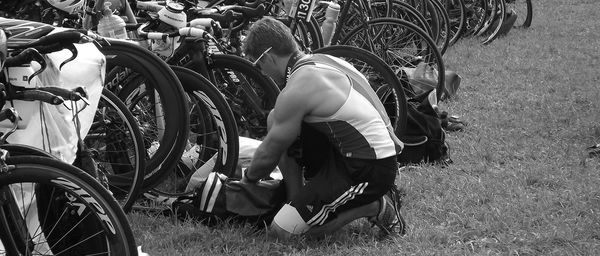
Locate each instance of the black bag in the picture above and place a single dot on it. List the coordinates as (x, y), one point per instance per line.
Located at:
(220, 198)
(424, 139)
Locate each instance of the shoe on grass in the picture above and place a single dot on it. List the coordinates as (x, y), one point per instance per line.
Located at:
(389, 220)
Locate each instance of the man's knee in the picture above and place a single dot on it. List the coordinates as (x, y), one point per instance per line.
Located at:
(288, 222)
(279, 232)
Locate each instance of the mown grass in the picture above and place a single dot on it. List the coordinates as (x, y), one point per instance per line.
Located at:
(517, 185)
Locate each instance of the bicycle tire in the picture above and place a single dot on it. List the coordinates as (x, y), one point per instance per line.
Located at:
(476, 15)
(444, 20)
(308, 34)
(357, 14)
(402, 10)
(213, 131)
(383, 80)
(85, 202)
(400, 44)
(150, 74)
(119, 148)
(491, 12)
(250, 93)
(457, 17)
(429, 10)
(498, 20)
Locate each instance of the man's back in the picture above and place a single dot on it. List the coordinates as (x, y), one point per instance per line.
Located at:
(343, 106)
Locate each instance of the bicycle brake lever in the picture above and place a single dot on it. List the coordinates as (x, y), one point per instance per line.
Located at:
(82, 91)
(38, 57)
(74, 51)
(86, 39)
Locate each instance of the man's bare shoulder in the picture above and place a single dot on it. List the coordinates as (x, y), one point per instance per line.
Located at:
(313, 76)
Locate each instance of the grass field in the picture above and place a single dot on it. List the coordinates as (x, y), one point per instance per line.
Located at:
(517, 185)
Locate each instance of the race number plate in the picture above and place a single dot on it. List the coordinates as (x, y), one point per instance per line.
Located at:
(302, 9)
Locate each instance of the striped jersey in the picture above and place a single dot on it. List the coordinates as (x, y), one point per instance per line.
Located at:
(360, 128)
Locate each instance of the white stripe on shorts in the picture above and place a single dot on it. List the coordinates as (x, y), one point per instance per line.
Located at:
(322, 215)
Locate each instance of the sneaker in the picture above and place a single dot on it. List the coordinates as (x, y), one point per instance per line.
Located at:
(389, 219)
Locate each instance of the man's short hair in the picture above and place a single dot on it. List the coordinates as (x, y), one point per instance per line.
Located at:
(269, 32)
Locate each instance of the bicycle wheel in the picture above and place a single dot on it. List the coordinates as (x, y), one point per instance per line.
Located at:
(524, 10)
(496, 24)
(312, 34)
(249, 93)
(403, 11)
(436, 21)
(491, 12)
(382, 79)
(156, 98)
(213, 132)
(401, 45)
(457, 17)
(53, 208)
(444, 20)
(476, 12)
(358, 13)
(118, 147)
(308, 34)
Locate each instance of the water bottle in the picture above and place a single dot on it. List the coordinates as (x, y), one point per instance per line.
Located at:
(173, 15)
(88, 21)
(328, 26)
(111, 25)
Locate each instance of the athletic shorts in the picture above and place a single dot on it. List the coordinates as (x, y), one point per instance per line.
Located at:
(340, 184)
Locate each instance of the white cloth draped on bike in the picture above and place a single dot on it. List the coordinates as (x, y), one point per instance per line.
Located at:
(56, 133)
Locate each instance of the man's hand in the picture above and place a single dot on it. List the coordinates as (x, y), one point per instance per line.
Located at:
(245, 178)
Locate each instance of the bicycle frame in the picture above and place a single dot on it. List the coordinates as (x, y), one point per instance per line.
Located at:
(195, 54)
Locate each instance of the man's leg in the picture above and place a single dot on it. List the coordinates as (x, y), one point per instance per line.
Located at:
(343, 218)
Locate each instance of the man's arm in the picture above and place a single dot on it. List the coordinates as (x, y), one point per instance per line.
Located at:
(291, 107)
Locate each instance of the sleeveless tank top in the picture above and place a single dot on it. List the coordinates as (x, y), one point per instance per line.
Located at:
(360, 128)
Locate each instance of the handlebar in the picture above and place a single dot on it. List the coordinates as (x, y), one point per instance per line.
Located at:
(24, 57)
(225, 17)
(229, 13)
(187, 31)
(75, 94)
(50, 95)
(37, 95)
(50, 43)
(246, 11)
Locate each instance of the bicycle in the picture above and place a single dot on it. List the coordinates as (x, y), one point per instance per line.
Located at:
(249, 93)
(381, 77)
(48, 204)
(164, 130)
(121, 159)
